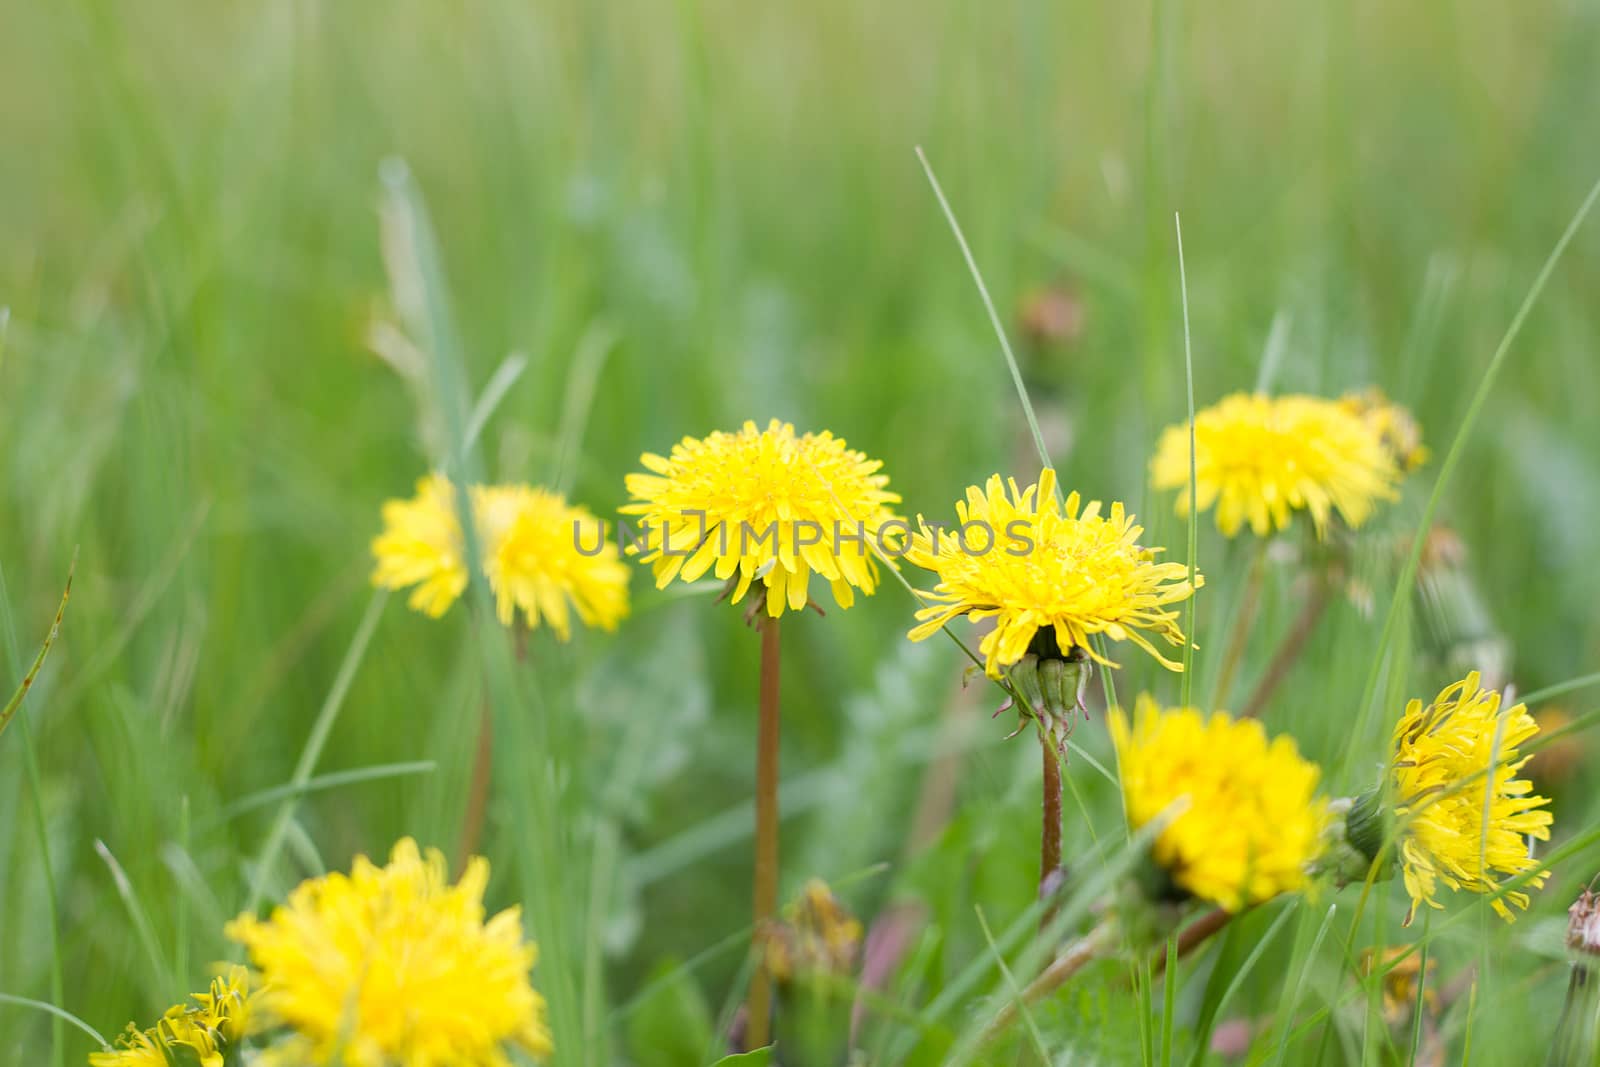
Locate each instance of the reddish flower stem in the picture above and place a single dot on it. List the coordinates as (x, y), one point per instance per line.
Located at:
(758, 1016)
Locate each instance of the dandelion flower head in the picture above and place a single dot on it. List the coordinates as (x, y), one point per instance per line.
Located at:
(1245, 821)
(543, 555)
(1020, 558)
(202, 1031)
(421, 546)
(545, 559)
(1453, 758)
(394, 965)
(1258, 459)
(764, 504)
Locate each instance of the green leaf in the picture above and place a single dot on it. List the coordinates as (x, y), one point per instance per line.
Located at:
(759, 1058)
(672, 1026)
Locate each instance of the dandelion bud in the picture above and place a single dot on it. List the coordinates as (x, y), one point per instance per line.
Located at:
(811, 956)
(1367, 824)
(817, 937)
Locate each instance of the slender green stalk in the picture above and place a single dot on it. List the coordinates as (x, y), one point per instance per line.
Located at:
(994, 316)
(1186, 686)
(765, 879)
(30, 762)
(312, 750)
(1452, 459)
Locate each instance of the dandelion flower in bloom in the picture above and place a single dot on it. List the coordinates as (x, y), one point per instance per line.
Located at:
(543, 557)
(542, 554)
(1259, 458)
(1022, 559)
(394, 965)
(1439, 784)
(764, 504)
(1245, 822)
(201, 1032)
(421, 546)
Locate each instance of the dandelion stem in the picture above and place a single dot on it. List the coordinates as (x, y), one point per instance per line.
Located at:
(477, 790)
(483, 772)
(1050, 823)
(1243, 622)
(1294, 643)
(766, 865)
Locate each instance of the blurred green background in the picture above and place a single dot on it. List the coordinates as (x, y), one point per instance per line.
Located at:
(715, 210)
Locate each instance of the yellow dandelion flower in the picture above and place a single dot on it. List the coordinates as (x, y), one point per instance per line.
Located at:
(1247, 822)
(394, 965)
(1394, 424)
(1024, 561)
(764, 504)
(543, 557)
(542, 554)
(421, 546)
(1440, 782)
(1258, 458)
(204, 1030)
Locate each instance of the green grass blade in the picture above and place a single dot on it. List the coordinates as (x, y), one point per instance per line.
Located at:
(1186, 684)
(161, 967)
(312, 750)
(60, 1014)
(1408, 573)
(321, 783)
(30, 762)
(28, 679)
(994, 316)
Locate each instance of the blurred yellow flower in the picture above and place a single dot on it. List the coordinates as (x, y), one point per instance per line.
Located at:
(542, 554)
(421, 546)
(1258, 458)
(1245, 819)
(1022, 560)
(393, 965)
(543, 557)
(1440, 783)
(1394, 424)
(203, 1031)
(767, 505)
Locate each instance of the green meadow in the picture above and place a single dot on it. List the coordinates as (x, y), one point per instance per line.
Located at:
(262, 266)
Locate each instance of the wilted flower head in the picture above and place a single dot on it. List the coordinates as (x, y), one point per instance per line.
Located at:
(1245, 820)
(543, 557)
(763, 504)
(818, 935)
(394, 965)
(1258, 458)
(203, 1032)
(1394, 424)
(1021, 559)
(1461, 814)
